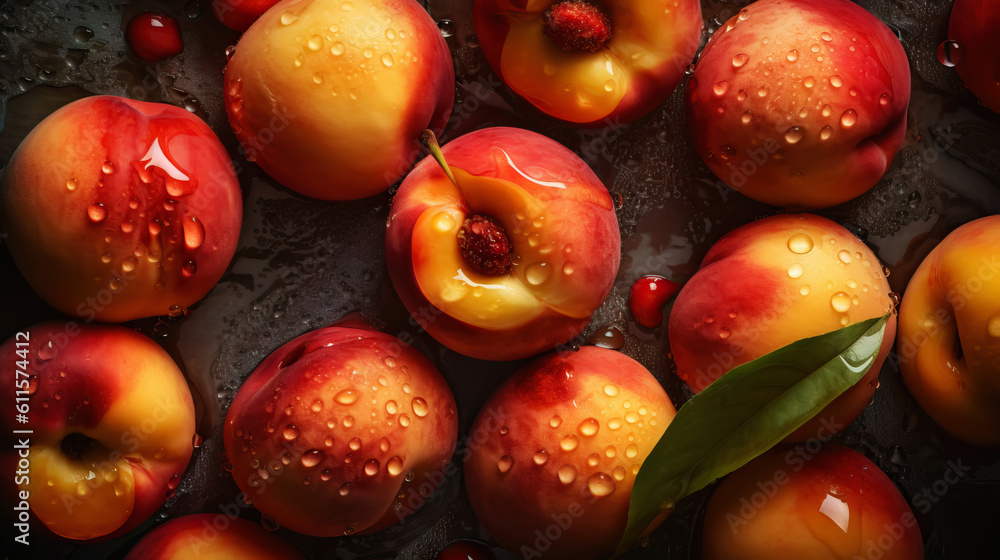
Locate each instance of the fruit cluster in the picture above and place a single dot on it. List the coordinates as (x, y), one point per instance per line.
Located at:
(502, 245)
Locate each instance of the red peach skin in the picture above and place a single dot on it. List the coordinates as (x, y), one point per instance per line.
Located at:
(113, 427)
(206, 536)
(800, 103)
(949, 333)
(770, 283)
(331, 102)
(972, 24)
(832, 504)
(580, 244)
(118, 209)
(345, 420)
(559, 444)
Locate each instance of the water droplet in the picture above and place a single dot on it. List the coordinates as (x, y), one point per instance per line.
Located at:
(337, 48)
(609, 85)
(845, 256)
(446, 27)
(594, 459)
(290, 432)
(354, 444)
(97, 213)
(567, 474)
(315, 43)
(993, 327)
(836, 81)
(840, 302)
(589, 427)
(348, 421)
(555, 421)
(825, 133)
(721, 88)
(395, 466)
(541, 457)
(371, 467)
(537, 273)
(569, 443)
(345, 489)
(346, 397)
(883, 99)
(504, 430)
(615, 423)
(795, 271)
(951, 53)
(794, 134)
(849, 118)
(826, 36)
(128, 264)
(419, 407)
(800, 243)
(391, 407)
(793, 55)
(618, 473)
(387, 60)
(600, 484)
(368, 53)
(505, 463)
(611, 390)
(631, 451)
(287, 17)
(809, 81)
(739, 60)
(762, 92)
(746, 117)
(404, 420)
(189, 268)
(312, 458)
(194, 232)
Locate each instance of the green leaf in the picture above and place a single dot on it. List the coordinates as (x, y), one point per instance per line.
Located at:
(746, 412)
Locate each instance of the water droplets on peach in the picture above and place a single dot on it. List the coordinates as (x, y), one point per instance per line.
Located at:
(97, 213)
(288, 17)
(395, 466)
(371, 467)
(290, 432)
(993, 326)
(540, 457)
(849, 118)
(825, 133)
(589, 427)
(354, 444)
(840, 302)
(721, 88)
(611, 390)
(567, 474)
(795, 271)
(600, 484)
(312, 458)
(505, 463)
(794, 134)
(739, 60)
(555, 421)
(569, 443)
(792, 55)
(800, 243)
(346, 397)
(419, 407)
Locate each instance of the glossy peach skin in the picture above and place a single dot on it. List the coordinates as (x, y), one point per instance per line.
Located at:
(561, 224)
(800, 103)
(345, 420)
(770, 283)
(972, 24)
(117, 209)
(238, 15)
(126, 396)
(207, 536)
(791, 503)
(329, 97)
(653, 41)
(558, 448)
(949, 333)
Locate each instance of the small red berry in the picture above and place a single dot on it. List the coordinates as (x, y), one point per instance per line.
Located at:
(648, 296)
(466, 550)
(154, 37)
(576, 25)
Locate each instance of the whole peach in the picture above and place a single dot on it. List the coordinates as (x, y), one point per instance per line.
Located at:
(557, 449)
(800, 103)
(975, 56)
(770, 283)
(648, 45)
(350, 421)
(207, 536)
(949, 333)
(110, 424)
(559, 221)
(329, 97)
(790, 503)
(118, 209)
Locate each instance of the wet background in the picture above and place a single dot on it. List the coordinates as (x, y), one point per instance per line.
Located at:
(303, 264)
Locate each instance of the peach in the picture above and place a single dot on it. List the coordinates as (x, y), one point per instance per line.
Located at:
(112, 427)
(238, 15)
(971, 50)
(949, 333)
(770, 283)
(558, 446)
(118, 209)
(329, 97)
(800, 103)
(634, 67)
(199, 536)
(790, 503)
(350, 421)
(545, 203)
